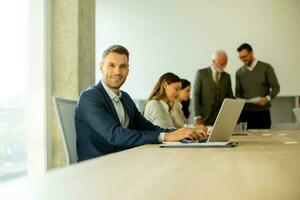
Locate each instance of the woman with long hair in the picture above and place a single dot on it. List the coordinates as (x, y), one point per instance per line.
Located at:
(159, 105)
(180, 111)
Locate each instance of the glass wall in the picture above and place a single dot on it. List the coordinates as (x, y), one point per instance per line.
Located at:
(13, 87)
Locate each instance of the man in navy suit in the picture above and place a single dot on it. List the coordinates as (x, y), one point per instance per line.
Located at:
(107, 119)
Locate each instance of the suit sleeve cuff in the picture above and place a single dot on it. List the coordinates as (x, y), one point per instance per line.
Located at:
(269, 98)
(161, 137)
(197, 117)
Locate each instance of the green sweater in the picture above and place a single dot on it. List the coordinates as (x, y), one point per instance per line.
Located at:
(261, 81)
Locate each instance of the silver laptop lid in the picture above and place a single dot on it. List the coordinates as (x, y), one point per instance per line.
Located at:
(226, 120)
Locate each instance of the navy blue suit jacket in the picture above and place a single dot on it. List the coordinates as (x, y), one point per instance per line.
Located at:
(98, 128)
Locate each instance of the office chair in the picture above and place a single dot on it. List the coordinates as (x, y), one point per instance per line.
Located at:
(65, 110)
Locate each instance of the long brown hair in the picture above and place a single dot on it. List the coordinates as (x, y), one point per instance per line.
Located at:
(159, 91)
(185, 104)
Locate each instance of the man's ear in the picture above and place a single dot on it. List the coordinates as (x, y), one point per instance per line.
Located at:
(214, 61)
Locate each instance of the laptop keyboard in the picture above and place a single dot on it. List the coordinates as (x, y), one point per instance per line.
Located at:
(193, 141)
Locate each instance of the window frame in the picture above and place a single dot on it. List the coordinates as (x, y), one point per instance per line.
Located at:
(39, 88)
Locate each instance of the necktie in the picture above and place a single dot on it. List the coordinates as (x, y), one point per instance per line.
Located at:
(217, 77)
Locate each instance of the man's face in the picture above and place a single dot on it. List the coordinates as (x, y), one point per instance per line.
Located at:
(220, 61)
(115, 69)
(246, 57)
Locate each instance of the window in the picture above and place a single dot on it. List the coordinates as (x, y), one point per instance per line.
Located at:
(13, 87)
(24, 87)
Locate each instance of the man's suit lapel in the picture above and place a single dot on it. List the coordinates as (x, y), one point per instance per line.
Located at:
(222, 78)
(210, 78)
(108, 102)
(223, 81)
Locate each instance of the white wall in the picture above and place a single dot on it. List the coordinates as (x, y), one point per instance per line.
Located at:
(179, 36)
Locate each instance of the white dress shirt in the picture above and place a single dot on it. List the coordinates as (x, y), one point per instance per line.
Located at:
(122, 115)
(253, 64)
(214, 71)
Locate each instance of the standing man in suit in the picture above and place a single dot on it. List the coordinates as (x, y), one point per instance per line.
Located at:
(107, 119)
(211, 86)
(257, 81)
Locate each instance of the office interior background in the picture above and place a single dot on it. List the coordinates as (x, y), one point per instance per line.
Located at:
(53, 48)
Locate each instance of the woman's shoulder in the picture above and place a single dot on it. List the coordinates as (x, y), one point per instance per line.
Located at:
(177, 105)
(152, 104)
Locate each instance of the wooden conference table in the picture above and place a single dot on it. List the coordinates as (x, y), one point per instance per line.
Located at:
(265, 165)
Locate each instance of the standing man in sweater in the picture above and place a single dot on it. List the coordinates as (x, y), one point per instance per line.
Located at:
(256, 82)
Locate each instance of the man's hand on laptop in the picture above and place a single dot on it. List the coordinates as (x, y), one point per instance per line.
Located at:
(198, 121)
(201, 127)
(185, 133)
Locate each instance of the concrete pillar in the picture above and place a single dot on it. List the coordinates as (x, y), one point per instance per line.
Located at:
(72, 58)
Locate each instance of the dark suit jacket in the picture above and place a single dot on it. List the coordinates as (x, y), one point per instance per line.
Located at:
(204, 93)
(98, 128)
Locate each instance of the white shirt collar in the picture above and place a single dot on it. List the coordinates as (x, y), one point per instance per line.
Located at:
(253, 64)
(110, 93)
(214, 69)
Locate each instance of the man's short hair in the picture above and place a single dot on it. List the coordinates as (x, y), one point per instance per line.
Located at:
(245, 46)
(116, 49)
(217, 53)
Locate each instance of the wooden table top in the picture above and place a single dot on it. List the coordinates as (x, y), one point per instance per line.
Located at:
(265, 165)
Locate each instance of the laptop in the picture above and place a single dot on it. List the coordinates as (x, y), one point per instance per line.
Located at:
(221, 131)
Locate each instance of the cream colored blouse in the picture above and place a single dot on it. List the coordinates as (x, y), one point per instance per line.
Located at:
(177, 115)
(158, 112)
